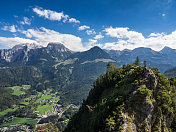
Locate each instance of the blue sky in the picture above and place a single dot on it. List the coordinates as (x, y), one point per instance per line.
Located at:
(82, 24)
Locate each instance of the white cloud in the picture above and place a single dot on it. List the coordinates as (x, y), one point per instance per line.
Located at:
(127, 39)
(10, 42)
(53, 15)
(155, 34)
(99, 36)
(43, 36)
(124, 33)
(26, 21)
(83, 27)
(89, 32)
(9, 28)
(73, 20)
(163, 15)
(92, 40)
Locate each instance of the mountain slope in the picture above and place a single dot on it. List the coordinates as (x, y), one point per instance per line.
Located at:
(81, 69)
(58, 80)
(128, 99)
(163, 59)
(68, 72)
(171, 72)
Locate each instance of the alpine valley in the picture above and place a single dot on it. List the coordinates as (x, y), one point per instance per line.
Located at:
(42, 87)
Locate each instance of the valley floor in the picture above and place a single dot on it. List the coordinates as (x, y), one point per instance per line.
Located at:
(35, 111)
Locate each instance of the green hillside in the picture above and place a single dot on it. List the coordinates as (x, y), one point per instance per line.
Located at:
(131, 98)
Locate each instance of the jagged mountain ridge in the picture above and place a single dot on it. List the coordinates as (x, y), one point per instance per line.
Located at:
(25, 54)
(31, 54)
(163, 60)
(10, 55)
(128, 99)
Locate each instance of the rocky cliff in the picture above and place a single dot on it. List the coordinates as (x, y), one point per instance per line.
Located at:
(32, 54)
(10, 55)
(128, 99)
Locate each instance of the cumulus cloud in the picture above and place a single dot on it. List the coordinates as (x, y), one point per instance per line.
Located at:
(73, 20)
(83, 27)
(132, 39)
(26, 21)
(90, 32)
(9, 28)
(93, 40)
(99, 36)
(53, 15)
(10, 42)
(43, 36)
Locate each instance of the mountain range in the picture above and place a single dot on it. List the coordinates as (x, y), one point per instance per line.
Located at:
(32, 54)
(69, 70)
(66, 74)
(163, 60)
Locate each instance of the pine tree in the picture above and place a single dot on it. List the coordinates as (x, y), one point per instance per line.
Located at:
(137, 61)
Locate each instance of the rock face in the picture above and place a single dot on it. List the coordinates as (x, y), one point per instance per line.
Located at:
(10, 55)
(128, 99)
(24, 54)
(144, 111)
(57, 46)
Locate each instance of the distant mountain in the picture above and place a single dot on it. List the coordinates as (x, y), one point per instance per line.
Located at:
(163, 59)
(69, 72)
(171, 72)
(18, 52)
(91, 54)
(50, 71)
(83, 69)
(49, 55)
(170, 54)
(128, 99)
(32, 54)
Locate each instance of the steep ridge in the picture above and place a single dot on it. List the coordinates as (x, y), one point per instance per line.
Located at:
(128, 99)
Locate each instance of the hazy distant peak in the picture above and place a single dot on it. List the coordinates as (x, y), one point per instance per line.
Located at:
(142, 48)
(166, 49)
(57, 46)
(95, 48)
(55, 43)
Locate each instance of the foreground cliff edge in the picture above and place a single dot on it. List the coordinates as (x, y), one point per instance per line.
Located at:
(128, 99)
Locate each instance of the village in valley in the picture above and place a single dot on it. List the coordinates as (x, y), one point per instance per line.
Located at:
(32, 112)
